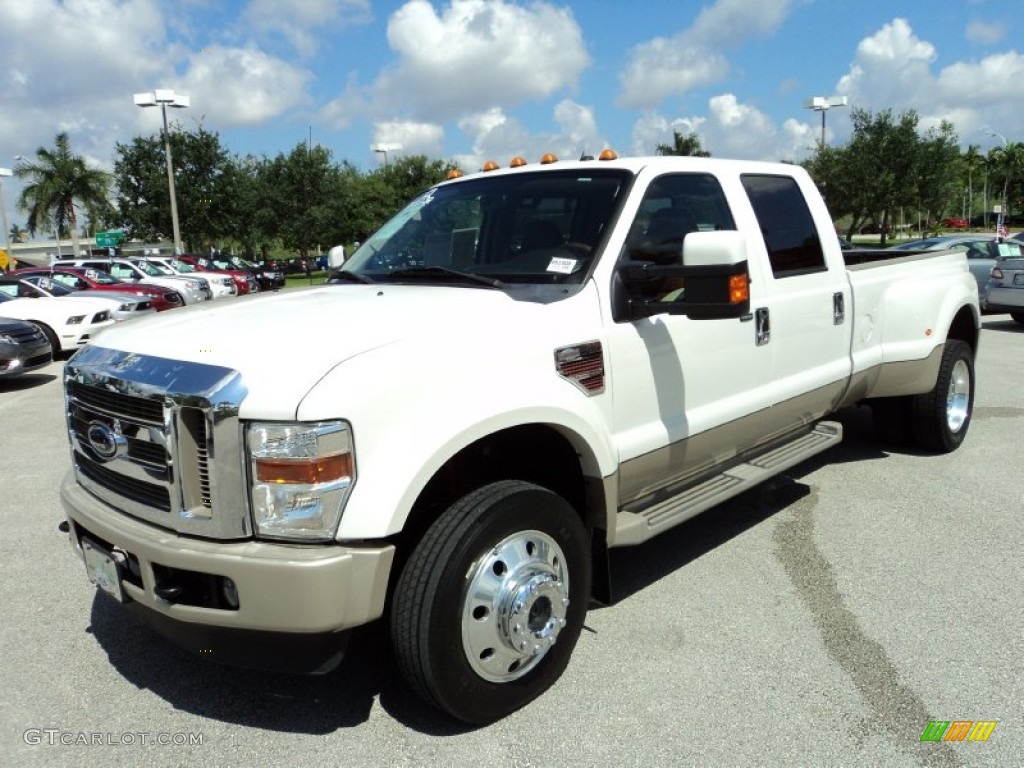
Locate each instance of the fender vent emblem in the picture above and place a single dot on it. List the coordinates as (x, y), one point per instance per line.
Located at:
(583, 365)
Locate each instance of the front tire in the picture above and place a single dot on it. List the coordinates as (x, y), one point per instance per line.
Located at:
(940, 418)
(489, 607)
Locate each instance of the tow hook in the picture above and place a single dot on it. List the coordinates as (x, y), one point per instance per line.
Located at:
(64, 526)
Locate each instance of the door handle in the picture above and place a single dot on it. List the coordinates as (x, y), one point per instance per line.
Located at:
(838, 308)
(762, 326)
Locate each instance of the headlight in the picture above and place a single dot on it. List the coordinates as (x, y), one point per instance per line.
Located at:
(75, 319)
(101, 317)
(192, 284)
(5, 339)
(301, 477)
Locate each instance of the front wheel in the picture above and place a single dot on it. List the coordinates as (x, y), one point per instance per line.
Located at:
(940, 418)
(488, 609)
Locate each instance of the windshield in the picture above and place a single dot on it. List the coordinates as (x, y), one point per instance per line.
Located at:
(154, 268)
(182, 266)
(520, 227)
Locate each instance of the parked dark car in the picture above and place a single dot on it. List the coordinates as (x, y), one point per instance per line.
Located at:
(23, 348)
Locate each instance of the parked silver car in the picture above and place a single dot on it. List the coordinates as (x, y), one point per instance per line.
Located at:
(983, 250)
(1004, 291)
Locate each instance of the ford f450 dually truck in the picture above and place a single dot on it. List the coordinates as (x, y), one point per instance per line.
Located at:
(521, 370)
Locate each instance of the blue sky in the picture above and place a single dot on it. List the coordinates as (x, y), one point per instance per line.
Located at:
(471, 80)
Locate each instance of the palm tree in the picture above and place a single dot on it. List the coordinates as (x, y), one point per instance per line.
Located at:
(58, 181)
(687, 146)
(973, 162)
(17, 234)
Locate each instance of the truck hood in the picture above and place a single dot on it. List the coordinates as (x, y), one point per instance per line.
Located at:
(284, 344)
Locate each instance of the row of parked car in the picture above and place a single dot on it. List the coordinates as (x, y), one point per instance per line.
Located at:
(49, 311)
(996, 263)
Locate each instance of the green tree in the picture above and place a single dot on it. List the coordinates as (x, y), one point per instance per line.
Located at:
(939, 174)
(1006, 166)
(688, 145)
(883, 168)
(17, 234)
(202, 176)
(59, 182)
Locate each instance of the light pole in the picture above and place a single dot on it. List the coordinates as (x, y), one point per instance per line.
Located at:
(167, 98)
(385, 148)
(823, 104)
(3, 214)
(1003, 212)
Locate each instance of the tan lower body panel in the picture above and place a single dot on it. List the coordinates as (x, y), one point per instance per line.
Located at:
(281, 587)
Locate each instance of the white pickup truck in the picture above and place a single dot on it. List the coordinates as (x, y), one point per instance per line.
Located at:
(521, 370)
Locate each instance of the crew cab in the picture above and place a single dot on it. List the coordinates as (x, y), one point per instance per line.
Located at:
(524, 368)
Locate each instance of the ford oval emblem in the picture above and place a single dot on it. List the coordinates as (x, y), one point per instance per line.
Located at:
(105, 442)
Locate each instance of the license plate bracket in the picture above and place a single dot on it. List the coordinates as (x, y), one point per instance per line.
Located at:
(102, 569)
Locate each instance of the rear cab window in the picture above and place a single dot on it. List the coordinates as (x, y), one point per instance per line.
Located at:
(794, 247)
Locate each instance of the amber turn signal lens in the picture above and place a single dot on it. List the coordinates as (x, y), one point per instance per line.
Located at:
(490, 165)
(608, 154)
(323, 469)
(739, 289)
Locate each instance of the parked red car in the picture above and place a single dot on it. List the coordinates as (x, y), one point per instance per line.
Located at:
(243, 279)
(954, 223)
(83, 279)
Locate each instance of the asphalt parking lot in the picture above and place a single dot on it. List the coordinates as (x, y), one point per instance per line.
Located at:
(822, 620)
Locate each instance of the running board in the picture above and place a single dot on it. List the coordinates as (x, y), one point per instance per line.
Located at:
(637, 527)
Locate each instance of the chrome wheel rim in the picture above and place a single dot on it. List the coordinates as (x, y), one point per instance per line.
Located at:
(958, 396)
(515, 606)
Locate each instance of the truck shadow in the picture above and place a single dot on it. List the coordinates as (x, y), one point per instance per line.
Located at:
(345, 697)
(636, 568)
(278, 702)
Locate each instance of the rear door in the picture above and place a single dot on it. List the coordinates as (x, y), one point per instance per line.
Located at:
(804, 310)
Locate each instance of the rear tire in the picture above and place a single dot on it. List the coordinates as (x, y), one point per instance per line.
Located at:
(489, 607)
(940, 418)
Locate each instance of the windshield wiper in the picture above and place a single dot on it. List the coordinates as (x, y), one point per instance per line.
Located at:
(445, 275)
(352, 277)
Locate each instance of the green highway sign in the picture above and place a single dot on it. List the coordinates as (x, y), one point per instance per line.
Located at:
(109, 239)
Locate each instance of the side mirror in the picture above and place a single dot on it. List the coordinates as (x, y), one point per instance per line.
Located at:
(713, 273)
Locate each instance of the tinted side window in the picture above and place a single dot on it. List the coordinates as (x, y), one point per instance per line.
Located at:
(786, 224)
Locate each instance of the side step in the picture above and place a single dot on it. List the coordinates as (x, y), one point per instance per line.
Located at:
(637, 527)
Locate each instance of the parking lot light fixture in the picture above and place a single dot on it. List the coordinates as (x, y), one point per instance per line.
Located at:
(823, 104)
(164, 98)
(384, 149)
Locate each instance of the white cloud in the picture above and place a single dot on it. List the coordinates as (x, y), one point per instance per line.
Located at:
(894, 67)
(693, 57)
(300, 22)
(415, 138)
(475, 55)
(985, 33)
(496, 136)
(243, 86)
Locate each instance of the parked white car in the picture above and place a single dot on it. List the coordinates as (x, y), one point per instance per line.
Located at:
(122, 306)
(220, 284)
(69, 323)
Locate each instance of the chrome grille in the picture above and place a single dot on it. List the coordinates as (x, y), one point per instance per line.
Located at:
(23, 333)
(142, 433)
